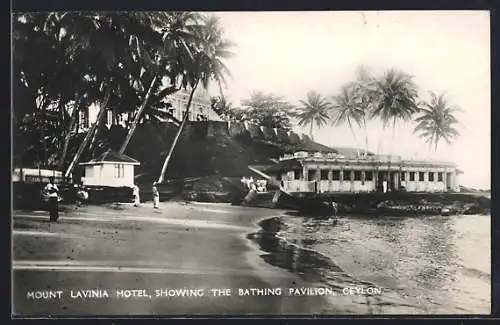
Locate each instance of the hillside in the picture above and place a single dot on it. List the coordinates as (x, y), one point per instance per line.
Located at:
(205, 149)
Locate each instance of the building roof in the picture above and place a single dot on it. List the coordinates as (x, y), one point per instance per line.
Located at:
(310, 146)
(111, 156)
(349, 152)
(283, 165)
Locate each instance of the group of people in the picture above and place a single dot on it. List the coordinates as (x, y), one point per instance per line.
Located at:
(155, 192)
(51, 195)
(259, 185)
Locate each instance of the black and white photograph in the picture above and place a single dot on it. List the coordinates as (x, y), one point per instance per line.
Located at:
(174, 163)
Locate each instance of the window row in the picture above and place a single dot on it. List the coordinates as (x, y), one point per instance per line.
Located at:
(421, 176)
(357, 175)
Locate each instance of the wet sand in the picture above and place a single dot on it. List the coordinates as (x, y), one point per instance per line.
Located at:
(193, 246)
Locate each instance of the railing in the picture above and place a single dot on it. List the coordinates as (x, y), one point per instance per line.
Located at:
(299, 186)
(319, 155)
(42, 179)
(33, 175)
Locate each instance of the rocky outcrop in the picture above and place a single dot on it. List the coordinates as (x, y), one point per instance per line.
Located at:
(412, 203)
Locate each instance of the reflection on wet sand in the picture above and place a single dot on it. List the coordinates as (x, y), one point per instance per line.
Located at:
(422, 263)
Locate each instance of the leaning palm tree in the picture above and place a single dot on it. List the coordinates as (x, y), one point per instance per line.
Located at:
(315, 110)
(346, 110)
(208, 51)
(169, 59)
(394, 98)
(437, 121)
(91, 40)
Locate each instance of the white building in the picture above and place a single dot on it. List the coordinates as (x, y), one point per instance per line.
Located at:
(110, 169)
(330, 172)
(200, 109)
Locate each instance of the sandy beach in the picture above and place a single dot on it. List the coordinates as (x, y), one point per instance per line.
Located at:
(180, 246)
(189, 259)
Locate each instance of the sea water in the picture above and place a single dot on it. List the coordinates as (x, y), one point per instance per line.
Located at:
(425, 264)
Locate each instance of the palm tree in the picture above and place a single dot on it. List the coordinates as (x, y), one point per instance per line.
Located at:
(108, 62)
(394, 98)
(207, 54)
(437, 121)
(363, 92)
(346, 110)
(178, 29)
(314, 111)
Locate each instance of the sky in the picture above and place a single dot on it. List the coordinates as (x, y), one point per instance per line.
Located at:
(291, 53)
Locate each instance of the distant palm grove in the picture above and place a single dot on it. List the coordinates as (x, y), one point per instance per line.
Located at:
(390, 98)
(131, 62)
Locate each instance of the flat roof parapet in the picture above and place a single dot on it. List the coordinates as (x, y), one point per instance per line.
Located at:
(380, 159)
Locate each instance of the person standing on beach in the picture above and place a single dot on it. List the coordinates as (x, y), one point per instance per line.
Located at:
(137, 198)
(156, 196)
(53, 192)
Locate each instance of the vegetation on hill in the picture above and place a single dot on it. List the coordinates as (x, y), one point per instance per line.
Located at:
(117, 60)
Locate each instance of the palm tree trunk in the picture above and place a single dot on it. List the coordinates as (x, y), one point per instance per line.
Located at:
(366, 135)
(102, 110)
(74, 115)
(138, 115)
(177, 136)
(311, 131)
(77, 123)
(62, 119)
(381, 140)
(220, 90)
(43, 107)
(354, 136)
(393, 135)
(96, 131)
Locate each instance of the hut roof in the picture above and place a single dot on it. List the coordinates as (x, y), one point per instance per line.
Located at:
(112, 156)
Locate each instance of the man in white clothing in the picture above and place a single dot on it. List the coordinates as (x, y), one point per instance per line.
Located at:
(156, 196)
(137, 199)
(53, 191)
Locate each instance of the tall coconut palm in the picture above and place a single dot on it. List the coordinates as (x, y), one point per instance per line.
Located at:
(436, 121)
(363, 92)
(207, 64)
(346, 110)
(314, 110)
(173, 56)
(100, 42)
(394, 97)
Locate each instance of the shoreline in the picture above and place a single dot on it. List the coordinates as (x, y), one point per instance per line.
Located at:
(244, 242)
(221, 231)
(321, 271)
(315, 267)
